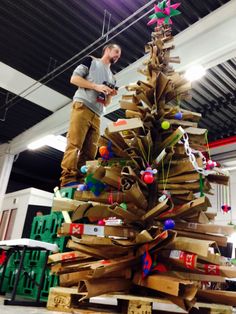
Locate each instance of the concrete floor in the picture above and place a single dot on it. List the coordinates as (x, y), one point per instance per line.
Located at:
(12, 309)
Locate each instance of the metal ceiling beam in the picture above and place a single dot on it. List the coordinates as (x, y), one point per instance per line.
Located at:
(19, 83)
(210, 41)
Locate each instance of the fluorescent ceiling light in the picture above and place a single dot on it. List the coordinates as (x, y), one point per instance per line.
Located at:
(195, 73)
(232, 239)
(230, 163)
(58, 143)
(230, 168)
(55, 141)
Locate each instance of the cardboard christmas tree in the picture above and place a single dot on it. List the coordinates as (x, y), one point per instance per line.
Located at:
(139, 222)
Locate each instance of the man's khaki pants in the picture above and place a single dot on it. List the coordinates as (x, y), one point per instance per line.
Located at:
(82, 139)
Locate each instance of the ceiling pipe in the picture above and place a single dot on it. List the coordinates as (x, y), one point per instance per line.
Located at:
(223, 142)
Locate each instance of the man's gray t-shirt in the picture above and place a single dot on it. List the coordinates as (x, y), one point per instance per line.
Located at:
(93, 70)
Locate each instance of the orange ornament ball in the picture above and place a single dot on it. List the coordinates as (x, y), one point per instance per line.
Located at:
(103, 150)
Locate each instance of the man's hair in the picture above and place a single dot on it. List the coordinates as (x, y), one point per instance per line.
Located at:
(110, 46)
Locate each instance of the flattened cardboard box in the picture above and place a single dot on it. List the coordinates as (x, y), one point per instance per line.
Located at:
(179, 258)
(196, 205)
(94, 287)
(217, 296)
(173, 138)
(199, 247)
(67, 256)
(219, 239)
(65, 204)
(72, 279)
(102, 251)
(217, 270)
(125, 124)
(167, 284)
(190, 177)
(95, 230)
(184, 166)
(205, 228)
(94, 213)
(104, 197)
(98, 269)
(195, 276)
(155, 211)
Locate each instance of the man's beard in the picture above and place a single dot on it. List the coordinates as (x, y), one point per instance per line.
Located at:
(112, 60)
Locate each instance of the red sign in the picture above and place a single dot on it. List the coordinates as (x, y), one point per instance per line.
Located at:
(212, 269)
(76, 228)
(119, 122)
(188, 259)
(68, 256)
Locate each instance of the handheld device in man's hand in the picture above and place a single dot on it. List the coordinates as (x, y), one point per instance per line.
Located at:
(101, 96)
(110, 85)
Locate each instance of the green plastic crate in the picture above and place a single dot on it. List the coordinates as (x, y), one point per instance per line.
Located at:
(46, 226)
(68, 192)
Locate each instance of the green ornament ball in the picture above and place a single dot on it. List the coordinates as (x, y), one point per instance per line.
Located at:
(165, 125)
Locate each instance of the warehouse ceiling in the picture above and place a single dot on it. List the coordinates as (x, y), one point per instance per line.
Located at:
(45, 40)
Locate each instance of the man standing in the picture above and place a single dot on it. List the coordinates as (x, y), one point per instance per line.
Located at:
(91, 77)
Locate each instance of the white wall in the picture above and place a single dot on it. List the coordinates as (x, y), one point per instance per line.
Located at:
(219, 198)
(21, 200)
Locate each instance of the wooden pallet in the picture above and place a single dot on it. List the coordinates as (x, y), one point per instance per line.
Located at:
(67, 300)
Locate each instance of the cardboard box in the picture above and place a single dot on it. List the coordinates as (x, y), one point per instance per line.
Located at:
(182, 123)
(167, 284)
(157, 210)
(128, 105)
(67, 256)
(78, 229)
(212, 258)
(101, 268)
(133, 193)
(199, 247)
(217, 270)
(184, 166)
(205, 228)
(199, 217)
(195, 277)
(196, 205)
(65, 204)
(189, 177)
(97, 212)
(125, 124)
(195, 186)
(103, 251)
(104, 197)
(219, 239)
(180, 258)
(72, 279)
(161, 85)
(217, 296)
(94, 287)
(160, 241)
(173, 138)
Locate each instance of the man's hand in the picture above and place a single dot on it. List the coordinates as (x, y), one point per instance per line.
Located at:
(103, 89)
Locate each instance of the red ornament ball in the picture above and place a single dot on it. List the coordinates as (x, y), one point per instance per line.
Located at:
(148, 178)
(101, 222)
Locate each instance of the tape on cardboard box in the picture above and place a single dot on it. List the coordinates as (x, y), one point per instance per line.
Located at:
(125, 124)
